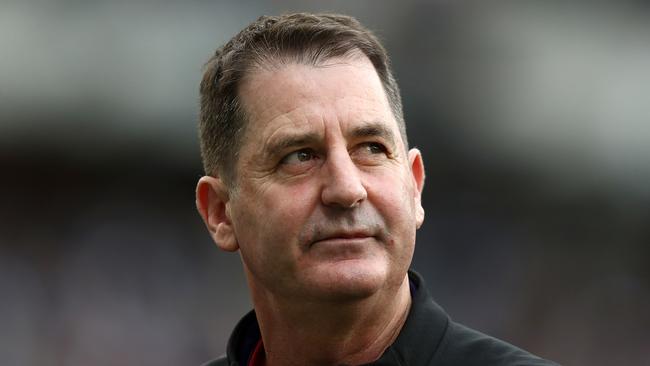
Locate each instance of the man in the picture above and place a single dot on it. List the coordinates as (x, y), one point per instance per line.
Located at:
(309, 177)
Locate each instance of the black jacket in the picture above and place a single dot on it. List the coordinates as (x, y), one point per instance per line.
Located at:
(429, 338)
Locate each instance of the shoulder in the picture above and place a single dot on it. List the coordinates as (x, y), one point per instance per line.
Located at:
(464, 346)
(430, 337)
(221, 361)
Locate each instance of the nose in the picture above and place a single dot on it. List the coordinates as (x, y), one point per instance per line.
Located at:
(342, 184)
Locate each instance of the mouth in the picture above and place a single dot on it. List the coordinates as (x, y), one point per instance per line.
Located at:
(351, 237)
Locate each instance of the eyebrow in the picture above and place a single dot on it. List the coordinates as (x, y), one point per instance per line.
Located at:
(369, 129)
(291, 141)
(374, 129)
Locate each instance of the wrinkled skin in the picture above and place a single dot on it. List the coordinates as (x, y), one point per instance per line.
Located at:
(326, 201)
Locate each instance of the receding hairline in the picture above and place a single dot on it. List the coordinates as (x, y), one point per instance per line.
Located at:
(269, 42)
(279, 63)
(274, 62)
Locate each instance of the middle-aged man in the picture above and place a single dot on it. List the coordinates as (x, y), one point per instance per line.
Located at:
(309, 176)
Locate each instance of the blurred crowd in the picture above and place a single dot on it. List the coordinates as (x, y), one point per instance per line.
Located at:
(534, 122)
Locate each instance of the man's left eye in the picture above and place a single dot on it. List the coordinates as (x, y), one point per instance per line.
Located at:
(369, 153)
(375, 148)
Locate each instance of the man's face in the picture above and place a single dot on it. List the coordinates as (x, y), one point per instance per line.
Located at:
(327, 200)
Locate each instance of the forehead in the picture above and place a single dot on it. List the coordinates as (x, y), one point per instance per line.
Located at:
(341, 91)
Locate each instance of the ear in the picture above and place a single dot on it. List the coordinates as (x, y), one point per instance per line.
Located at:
(417, 171)
(212, 199)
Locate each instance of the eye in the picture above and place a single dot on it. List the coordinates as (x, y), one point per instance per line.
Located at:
(375, 148)
(370, 153)
(300, 156)
(372, 148)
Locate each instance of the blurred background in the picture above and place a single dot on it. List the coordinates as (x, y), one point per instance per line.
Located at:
(534, 121)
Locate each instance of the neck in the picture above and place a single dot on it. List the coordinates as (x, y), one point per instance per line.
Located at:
(338, 333)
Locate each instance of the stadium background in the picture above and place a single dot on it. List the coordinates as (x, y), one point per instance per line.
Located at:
(534, 121)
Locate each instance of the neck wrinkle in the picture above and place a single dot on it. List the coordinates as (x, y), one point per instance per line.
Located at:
(352, 333)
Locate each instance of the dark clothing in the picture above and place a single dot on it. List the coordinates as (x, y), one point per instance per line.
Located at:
(429, 338)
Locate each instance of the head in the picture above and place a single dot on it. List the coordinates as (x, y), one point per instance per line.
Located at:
(308, 39)
(308, 173)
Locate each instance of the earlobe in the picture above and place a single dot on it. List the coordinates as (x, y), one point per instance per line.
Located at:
(212, 199)
(417, 171)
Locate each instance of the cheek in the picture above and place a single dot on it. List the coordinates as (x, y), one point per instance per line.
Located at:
(277, 214)
(290, 205)
(393, 195)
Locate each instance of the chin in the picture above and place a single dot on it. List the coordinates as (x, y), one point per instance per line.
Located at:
(348, 280)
